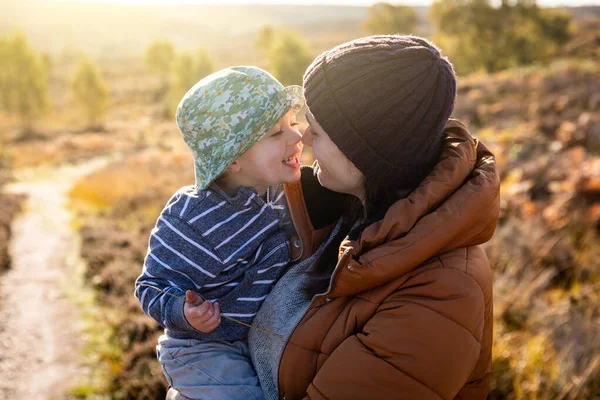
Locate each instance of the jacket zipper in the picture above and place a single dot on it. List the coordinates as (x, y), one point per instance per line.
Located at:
(333, 275)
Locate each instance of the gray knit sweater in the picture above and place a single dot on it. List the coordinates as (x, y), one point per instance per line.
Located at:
(280, 313)
(230, 249)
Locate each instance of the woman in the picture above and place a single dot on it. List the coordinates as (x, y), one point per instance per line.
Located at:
(393, 296)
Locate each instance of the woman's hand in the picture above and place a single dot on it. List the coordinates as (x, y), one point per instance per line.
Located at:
(203, 315)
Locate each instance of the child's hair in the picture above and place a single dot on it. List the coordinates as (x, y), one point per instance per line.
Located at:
(227, 112)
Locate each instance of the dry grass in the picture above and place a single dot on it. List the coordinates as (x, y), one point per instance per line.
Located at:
(544, 126)
(547, 312)
(134, 190)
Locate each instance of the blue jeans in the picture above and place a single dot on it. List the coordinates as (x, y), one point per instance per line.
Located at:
(214, 370)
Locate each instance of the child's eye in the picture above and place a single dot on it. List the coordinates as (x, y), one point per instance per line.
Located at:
(294, 124)
(278, 133)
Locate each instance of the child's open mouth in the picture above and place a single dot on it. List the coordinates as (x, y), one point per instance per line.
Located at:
(292, 161)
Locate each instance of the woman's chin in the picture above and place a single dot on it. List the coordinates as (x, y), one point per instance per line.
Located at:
(322, 179)
(322, 176)
(336, 186)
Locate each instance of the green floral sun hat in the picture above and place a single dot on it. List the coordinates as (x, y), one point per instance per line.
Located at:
(227, 112)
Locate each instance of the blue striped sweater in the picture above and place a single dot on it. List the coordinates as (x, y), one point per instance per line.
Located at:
(230, 249)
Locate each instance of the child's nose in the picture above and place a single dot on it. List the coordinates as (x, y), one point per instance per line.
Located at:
(295, 137)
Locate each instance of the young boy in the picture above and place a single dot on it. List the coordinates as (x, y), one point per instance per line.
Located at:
(222, 243)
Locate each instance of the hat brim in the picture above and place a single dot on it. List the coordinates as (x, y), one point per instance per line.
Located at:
(291, 97)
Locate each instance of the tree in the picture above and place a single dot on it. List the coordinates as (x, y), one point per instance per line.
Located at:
(477, 35)
(539, 33)
(89, 92)
(385, 18)
(23, 81)
(159, 59)
(203, 66)
(186, 72)
(48, 62)
(288, 58)
(264, 39)
(4, 81)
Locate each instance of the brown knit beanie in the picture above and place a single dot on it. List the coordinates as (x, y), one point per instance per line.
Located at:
(384, 101)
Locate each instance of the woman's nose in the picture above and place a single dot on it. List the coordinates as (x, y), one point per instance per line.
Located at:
(307, 137)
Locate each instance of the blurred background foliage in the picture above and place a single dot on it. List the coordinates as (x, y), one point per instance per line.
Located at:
(529, 87)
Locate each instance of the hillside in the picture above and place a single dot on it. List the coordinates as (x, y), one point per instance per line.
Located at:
(542, 122)
(131, 28)
(117, 30)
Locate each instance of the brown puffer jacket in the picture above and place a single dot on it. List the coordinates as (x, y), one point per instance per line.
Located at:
(409, 310)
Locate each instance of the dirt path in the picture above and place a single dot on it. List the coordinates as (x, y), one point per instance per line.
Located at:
(39, 324)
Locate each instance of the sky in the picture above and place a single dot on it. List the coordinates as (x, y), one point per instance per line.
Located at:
(334, 2)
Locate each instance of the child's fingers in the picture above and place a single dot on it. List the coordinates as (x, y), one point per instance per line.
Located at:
(205, 317)
(209, 324)
(205, 312)
(218, 312)
(197, 312)
(213, 325)
(206, 307)
(215, 320)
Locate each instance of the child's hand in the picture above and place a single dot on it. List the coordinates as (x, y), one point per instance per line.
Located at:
(205, 316)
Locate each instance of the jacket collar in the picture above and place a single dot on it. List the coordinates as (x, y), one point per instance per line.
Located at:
(456, 206)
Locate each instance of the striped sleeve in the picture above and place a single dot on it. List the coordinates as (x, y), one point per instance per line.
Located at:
(178, 259)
